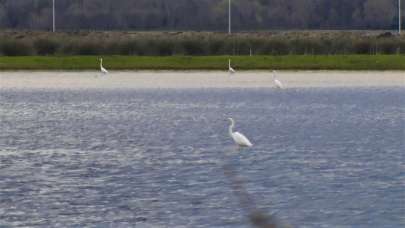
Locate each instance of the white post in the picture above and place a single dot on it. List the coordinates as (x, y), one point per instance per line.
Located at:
(399, 17)
(53, 15)
(230, 18)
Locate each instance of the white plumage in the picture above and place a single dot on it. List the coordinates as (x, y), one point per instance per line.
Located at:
(237, 137)
(103, 70)
(277, 83)
(230, 69)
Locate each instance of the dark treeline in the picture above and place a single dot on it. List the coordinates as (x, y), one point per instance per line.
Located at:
(13, 43)
(199, 14)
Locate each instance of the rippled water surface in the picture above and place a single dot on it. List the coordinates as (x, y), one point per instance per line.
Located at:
(154, 158)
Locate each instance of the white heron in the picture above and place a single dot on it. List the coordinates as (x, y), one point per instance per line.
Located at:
(230, 69)
(239, 138)
(103, 70)
(277, 82)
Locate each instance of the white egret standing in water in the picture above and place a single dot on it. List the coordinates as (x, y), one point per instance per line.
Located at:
(277, 83)
(230, 69)
(103, 70)
(239, 138)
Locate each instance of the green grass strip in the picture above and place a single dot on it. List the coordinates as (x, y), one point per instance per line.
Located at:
(287, 62)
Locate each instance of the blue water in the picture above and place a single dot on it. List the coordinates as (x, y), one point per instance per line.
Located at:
(154, 158)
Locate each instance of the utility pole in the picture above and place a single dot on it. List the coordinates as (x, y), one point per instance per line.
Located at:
(399, 17)
(53, 16)
(230, 18)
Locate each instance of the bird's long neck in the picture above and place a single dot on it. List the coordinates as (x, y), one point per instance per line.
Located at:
(101, 63)
(231, 128)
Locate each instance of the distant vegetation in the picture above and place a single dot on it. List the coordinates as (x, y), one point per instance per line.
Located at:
(20, 43)
(199, 15)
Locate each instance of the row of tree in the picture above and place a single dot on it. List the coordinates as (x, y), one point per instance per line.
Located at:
(14, 43)
(199, 14)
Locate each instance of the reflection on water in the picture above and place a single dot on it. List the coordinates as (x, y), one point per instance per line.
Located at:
(322, 157)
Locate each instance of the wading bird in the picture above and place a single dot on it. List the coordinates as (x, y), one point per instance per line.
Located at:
(103, 70)
(230, 69)
(239, 138)
(277, 83)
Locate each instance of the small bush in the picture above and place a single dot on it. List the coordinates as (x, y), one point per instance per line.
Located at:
(193, 47)
(387, 47)
(363, 47)
(46, 47)
(130, 47)
(401, 47)
(109, 48)
(216, 47)
(243, 47)
(90, 48)
(149, 47)
(164, 47)
(276, 47)
(83, 48)
(338, 46)
(15, 48)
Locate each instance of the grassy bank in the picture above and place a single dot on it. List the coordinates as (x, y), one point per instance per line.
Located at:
(290, 62)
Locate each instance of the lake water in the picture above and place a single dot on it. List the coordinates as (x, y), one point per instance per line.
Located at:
(322, 157)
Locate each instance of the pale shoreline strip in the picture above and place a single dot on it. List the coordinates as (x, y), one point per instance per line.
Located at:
(196, 79)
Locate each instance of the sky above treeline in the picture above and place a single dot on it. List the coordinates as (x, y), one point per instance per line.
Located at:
(209, 15)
